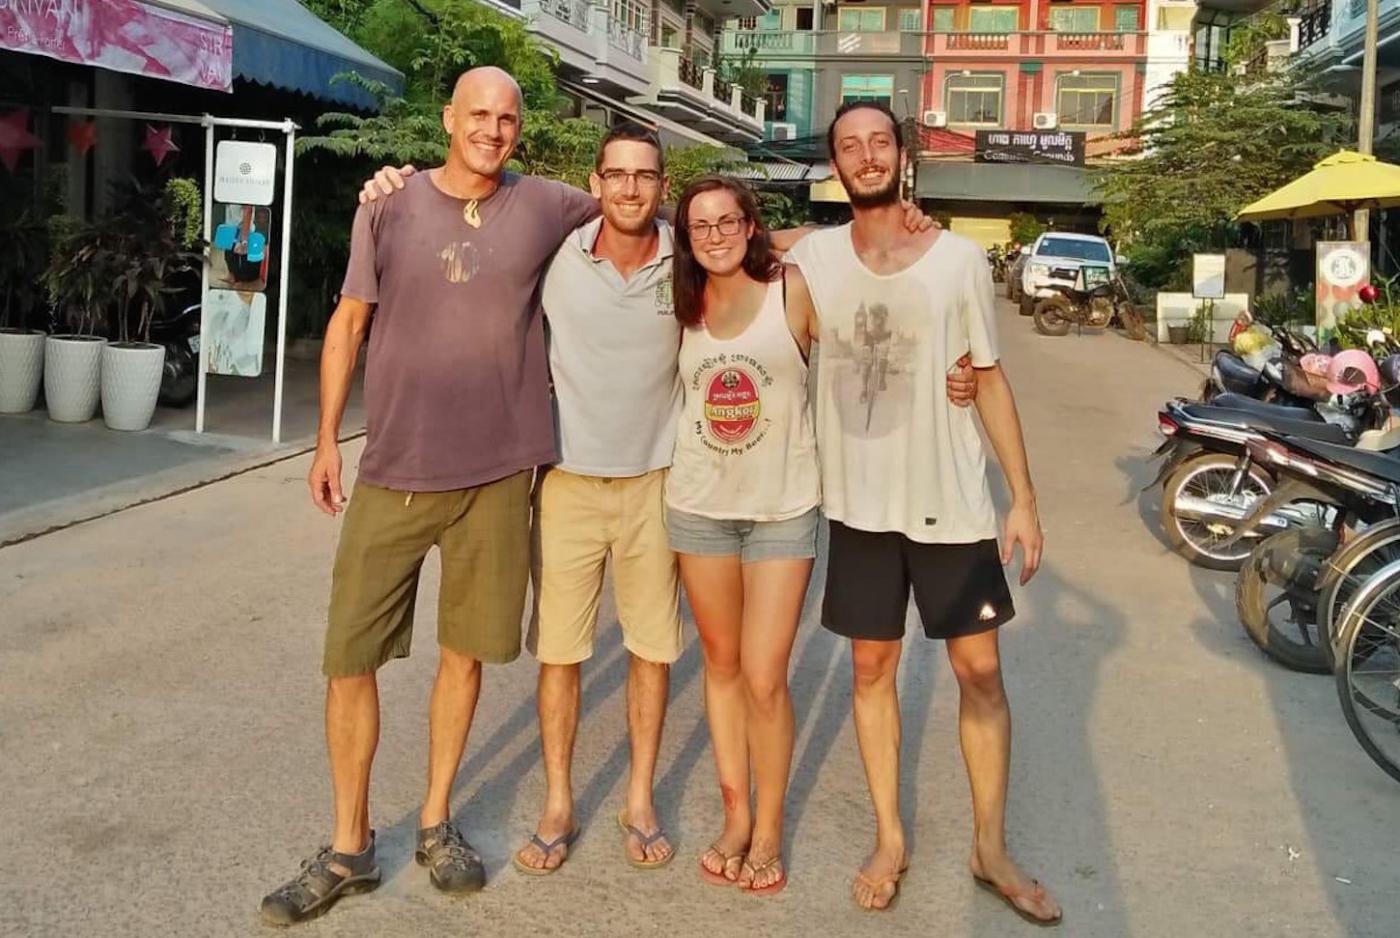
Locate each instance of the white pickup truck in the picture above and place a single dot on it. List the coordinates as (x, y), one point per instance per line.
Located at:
(1061, 250)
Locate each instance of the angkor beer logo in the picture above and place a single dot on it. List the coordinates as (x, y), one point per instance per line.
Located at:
(732, 406)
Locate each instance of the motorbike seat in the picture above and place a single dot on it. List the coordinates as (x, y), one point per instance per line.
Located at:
(1251, 406)
(1235, 375)
(1315, 429)
(1379, 465)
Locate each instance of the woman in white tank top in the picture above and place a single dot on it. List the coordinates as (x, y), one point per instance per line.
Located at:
(741, 502)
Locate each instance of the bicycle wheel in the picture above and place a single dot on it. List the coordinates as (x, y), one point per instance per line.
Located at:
(1368, 668)
(1346, 571)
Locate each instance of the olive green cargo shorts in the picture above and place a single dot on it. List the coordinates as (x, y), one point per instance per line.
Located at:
(483, 539)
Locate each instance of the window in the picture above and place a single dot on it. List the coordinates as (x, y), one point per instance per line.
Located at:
(1087, 100)
(994, 19)
(804, 18)
(1125, 19)
(862, 21)
(748, 23)
(1075, 20)
(773, 19)
(777, 96)
(1079, 249)
(974, 99)
(669, 37)
(911, 21)
(943, 19)
(878, 88)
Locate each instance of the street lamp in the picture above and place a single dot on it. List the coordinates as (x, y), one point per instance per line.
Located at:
(1361, 221)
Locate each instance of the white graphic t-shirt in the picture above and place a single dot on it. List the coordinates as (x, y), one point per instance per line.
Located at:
(895, 454)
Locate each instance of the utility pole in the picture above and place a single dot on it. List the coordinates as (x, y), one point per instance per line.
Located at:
(1361, 221)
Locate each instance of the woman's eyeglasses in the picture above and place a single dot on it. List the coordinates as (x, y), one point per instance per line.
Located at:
(728, 226)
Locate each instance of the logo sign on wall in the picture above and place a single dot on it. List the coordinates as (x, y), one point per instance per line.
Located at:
(1342, 267)
(234, 324)
(1063, 147)
(245, 172)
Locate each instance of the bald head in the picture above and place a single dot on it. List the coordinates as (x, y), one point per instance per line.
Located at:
(488, 80)
(483, 120)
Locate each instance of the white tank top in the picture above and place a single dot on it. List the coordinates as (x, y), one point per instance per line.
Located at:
(745, 449)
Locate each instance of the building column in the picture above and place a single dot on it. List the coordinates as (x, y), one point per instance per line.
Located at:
(690, 7)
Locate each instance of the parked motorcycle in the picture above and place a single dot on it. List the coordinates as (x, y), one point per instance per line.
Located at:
(1281, 380)
(1097, 299)
(179, 382)
(1367, 671)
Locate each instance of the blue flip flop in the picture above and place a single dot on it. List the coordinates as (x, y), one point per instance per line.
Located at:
(546, 847)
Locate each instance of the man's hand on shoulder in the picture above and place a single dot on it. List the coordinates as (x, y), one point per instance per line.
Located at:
(385, 182)
(962, 383)
(915, 220)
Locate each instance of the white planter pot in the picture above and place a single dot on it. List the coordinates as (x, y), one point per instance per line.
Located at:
(131, 375)
(21, 369)
(72, 366)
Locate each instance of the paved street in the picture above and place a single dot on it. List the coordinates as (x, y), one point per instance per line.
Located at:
(162, 763)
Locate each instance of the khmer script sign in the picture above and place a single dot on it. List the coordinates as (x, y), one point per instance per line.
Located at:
(1065, 147)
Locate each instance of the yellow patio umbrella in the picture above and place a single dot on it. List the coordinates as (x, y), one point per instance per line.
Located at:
(1341, 184)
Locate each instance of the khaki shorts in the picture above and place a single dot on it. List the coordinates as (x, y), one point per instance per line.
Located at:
(579, 522)
(483, 539)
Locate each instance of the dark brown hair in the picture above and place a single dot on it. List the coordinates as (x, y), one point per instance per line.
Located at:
(638, 133)
(865, 105)
(688, 277)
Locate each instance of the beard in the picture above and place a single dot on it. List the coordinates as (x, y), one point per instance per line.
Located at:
(887, 194)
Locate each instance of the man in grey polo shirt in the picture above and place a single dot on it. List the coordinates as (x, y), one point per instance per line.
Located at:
(613, 339)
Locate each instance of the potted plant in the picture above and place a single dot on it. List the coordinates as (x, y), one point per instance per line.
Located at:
(79, 282)
(21, 347)
(147, 263)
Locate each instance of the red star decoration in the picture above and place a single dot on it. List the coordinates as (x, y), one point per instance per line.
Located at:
(83, 136)
(159, 143)
(15, 137)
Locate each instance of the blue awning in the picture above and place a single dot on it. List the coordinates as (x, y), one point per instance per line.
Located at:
(283, 44)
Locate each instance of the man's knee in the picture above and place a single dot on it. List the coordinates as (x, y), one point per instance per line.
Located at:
(874, 664)
(454, 664)
(979, 675)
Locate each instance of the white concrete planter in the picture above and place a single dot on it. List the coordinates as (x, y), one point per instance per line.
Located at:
(131, 373)
(21, 369)
(72, 367)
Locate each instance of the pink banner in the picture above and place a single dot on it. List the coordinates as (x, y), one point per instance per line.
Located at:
(122, 35)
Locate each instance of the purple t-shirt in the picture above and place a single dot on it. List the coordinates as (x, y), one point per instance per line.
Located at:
(456, 383)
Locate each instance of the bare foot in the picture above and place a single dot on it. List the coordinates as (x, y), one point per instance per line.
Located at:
(726, 854)
(877, 883)
(762, 870)
(1028, 896)
(554, 831)
(655, 851)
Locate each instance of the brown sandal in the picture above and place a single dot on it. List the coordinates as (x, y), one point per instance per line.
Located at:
(1036, 894)
(719, 879)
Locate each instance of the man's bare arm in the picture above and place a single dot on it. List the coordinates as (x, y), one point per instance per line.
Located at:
(997, 407)
(345, 334)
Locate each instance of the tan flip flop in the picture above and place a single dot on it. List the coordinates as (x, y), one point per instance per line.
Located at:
(774, 887)
(546, 847)
(1009, 896)
(719, 879)
(875, 887)
(647, 840)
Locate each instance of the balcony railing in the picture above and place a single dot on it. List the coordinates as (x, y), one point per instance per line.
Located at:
(625, 39)
(1096, 42)
(806, 43)
(692, 74)
(1314, 25)
(723, 103)
(981, 42)
(573, 12)
(1037, 43)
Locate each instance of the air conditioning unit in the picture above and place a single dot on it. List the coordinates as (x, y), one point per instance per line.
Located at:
(784, 131)
(1046, 120)
(935, 118)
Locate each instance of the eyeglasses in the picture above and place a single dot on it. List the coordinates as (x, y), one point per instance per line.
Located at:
(617, 178)
(728, 226)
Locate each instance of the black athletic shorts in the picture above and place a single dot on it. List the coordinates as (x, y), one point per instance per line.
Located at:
(959, 589)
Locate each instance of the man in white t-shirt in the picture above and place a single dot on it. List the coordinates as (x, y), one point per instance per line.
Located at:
(904, 486)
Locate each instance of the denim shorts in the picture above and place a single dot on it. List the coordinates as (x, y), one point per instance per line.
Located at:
(790, 539)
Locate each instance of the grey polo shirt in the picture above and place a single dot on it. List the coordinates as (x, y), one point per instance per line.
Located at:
(612, 354)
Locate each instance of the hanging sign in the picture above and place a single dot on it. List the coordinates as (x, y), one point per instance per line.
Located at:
(1208, 276)
(1064, 147)
(123, 36)
(242, 245)
(245, 172)
(232, 335)
(1342, 267)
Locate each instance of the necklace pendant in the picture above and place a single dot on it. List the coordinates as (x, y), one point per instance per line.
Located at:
(471, 214)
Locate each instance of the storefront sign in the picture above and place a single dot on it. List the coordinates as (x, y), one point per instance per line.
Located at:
(1065, 147)
(1342, 267)
(234, 323)
(122, 35)
(244, 172)
(1208, 276)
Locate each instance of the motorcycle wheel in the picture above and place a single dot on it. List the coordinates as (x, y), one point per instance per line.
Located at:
(1368, 673)
(1349, 568)
(1281, 618)
(1209, 477)
(1052, 316)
